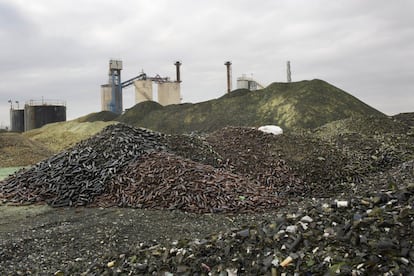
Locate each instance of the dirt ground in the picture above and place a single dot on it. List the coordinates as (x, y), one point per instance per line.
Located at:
(17, 150)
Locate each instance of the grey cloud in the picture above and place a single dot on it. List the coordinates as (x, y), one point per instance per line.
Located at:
(56, 49)
(12, 20)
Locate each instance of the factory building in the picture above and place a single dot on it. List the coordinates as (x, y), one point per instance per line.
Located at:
(245, 82)
(36, 114)
(169, 92)
(111, 93)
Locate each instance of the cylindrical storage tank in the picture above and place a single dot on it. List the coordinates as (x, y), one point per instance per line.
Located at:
(143, 91)
(242, 83)
(17, 120)
(106, 97)
(38, 114)
(169, 93)
(108, 102)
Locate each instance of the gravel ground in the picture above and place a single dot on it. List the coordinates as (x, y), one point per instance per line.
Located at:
(38, 239)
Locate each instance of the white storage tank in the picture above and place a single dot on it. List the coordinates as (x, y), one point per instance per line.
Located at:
(143, 91)
(169, 93)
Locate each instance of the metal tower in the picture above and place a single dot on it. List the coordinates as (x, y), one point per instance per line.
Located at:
(115, 67)
(289, 73)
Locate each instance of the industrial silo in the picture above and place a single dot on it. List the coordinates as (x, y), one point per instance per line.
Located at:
(143, 91)
(17, 120)
(40, 113)
(169, 93)
(111, 93)
(106, 97)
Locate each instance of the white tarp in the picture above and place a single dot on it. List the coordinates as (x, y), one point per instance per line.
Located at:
(276, 130)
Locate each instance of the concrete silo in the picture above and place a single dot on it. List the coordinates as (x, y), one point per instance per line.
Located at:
(143, 90)
(111, 99)
(169, 93)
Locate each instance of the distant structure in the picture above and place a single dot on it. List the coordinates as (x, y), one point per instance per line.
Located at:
(228, 67)
(143, 90)
(16, 118)
(111, 93)
(36, 114)
(245, 82)
(169, 92)
(40, 113)
(177, 69)
(289, 73)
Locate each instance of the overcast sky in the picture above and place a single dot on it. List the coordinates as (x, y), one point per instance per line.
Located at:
(59, 49)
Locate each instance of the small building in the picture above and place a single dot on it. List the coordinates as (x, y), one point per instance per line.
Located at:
(111, 93)
(245, 82)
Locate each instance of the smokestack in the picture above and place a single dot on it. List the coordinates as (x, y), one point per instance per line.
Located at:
(177, 69)
(228, 65)
(289, 74)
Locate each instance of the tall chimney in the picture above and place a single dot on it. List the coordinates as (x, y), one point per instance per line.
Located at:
(228, 65)
(177, 69)
(289, 73)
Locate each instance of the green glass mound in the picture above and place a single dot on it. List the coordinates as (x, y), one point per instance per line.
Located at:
(296, 105)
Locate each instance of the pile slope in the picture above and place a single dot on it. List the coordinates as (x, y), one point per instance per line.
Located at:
(407, 118)
(133, 167)
(371, 144)
(103, 116)
(59, 136)
(368, 125)
(304, 104)
(17, 150)
(138, 111)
